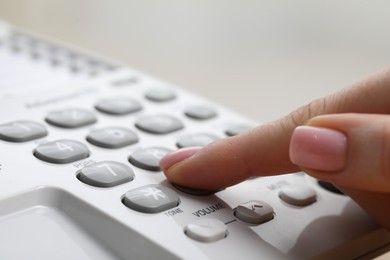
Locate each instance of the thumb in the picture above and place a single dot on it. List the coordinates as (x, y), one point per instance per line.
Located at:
(348, 150)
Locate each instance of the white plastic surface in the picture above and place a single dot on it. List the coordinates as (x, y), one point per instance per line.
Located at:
(47, 213)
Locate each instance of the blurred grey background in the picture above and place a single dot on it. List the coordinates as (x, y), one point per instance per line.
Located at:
(260, 58)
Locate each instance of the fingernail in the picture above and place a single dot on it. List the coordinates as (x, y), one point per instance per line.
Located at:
(177, 156)
(318, 148)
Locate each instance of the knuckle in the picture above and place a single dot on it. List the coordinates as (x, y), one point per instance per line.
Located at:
(304, 113)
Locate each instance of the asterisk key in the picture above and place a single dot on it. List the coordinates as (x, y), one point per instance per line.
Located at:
(156, 193)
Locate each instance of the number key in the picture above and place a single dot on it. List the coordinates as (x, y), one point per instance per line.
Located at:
(22, 131)
(159, 124)
(70, 118)
(106, 174)
(148, 158)
(61, 151)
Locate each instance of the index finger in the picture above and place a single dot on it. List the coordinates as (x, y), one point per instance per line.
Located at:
(264, 150)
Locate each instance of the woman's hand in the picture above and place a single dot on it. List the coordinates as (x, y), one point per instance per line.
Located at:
(343, 138)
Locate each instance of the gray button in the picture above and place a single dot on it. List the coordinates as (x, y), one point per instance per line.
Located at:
(235, 129)
(71, 118)
(148, 158)
(196, 140)
(298, 195)
(151, 199)
(22, 131)
(206, 230)
(254, 212)
(118, 106)
(160, 95)
(200, 112)
(112, 137)
(61, 151)
(195, 192)
(106, 174)
(159, 124)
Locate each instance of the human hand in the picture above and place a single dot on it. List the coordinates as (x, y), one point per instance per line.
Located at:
(343, 138)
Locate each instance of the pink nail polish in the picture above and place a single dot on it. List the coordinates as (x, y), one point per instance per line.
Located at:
(177, 156)
(318, 148)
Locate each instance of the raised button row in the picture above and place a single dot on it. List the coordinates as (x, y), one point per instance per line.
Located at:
(67, 151)
(210, 230)
(72, 118)
(117, 137)
(76, 117)
(155, 124)
(54, 54)
(157, 198)
(110, 137)
(252, 212)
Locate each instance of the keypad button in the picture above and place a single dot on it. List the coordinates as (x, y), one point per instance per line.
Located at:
(254, 212)
(106, 174)
(196, 140)
(22, 131)
(71, 118)
(200, 112)
(236, 129)
(61, 151)
(148, 158)
(151, 199)
(160, 95)
(298, 195)
(330, 187)
(206, 230)
(159, 124)
(193, 191)
(112, 137)
(118, 106)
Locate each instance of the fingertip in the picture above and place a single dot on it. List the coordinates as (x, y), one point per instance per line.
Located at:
(211, 167)
(175, 157)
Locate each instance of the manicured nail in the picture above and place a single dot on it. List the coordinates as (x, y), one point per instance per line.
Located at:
(318, 148)
(177, 156)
